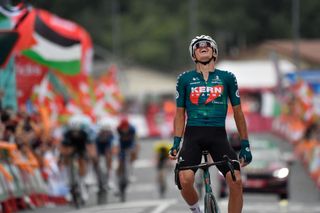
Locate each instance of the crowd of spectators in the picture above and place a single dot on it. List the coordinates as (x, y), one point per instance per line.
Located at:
(32, 141)
(299, 124)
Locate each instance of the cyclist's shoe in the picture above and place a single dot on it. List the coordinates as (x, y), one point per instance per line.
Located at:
(195, 208)
(84, 192)
(110, 185)
(68, 197)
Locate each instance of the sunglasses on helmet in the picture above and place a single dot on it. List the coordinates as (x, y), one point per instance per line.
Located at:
(201, 44)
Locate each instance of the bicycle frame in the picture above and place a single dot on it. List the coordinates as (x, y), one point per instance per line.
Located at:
(210, 203)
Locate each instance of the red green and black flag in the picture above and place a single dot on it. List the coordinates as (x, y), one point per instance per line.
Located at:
(55, 46)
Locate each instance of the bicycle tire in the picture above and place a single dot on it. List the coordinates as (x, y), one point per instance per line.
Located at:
(123, 183)
(75, 185)
(162, 183)
(102, 197)
(76, 196)
(102, 194)
(123, 187)
(210, 204)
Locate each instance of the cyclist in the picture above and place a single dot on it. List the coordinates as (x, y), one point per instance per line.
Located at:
(78, 138)
(202, 94)
(104, 142)
(74, 140)
(161, 149)
(127, 142)
(128, 149)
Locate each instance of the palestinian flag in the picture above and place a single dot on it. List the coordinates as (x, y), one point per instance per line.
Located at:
(58, 43)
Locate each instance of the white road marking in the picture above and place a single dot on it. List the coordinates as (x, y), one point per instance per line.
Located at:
(134, 206)
(162, 207)
(139, 164)
(142, 187)
(143, 163)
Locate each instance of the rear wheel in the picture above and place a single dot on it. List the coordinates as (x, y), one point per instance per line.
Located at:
(210, 204)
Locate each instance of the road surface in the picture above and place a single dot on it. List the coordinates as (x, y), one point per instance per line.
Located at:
(143, 195)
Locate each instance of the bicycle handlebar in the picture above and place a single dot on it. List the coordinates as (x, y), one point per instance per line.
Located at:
(205, 165)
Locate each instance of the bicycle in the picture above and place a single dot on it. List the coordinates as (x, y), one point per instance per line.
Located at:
(210, 202)
(75, 189)
(123, 174)
(163, 166)
(78, 190)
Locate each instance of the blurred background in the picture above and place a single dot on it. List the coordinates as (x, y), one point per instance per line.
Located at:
(109, 60)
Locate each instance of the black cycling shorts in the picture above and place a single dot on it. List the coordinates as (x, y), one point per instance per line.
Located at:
(199, 138)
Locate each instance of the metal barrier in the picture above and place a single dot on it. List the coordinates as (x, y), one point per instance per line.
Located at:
(21, 182)
(4, 193)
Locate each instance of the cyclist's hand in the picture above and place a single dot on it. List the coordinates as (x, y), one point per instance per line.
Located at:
(245, 155)
(175, 148)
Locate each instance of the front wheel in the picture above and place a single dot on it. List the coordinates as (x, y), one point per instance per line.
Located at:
(123, 180)
(162, 182)
(122, 187)
(210, 204)
(77, 200)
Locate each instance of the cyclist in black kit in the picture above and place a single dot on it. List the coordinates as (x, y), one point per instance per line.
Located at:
(202, 94)
(78, 141)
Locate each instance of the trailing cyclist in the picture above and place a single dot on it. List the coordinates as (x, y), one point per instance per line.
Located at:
(162, 149)
(104, 142)
(128, 151)
(78, 142)
(202, 97)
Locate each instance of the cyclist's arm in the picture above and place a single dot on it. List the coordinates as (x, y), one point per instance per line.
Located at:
(179, 119)
(179, 122)
(240, 122)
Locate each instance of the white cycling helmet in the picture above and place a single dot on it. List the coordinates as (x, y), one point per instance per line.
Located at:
(104, 124)
(75, 124)
(79, 121)
(212, 42)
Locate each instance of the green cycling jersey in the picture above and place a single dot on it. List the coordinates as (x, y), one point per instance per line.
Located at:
(206, 102)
